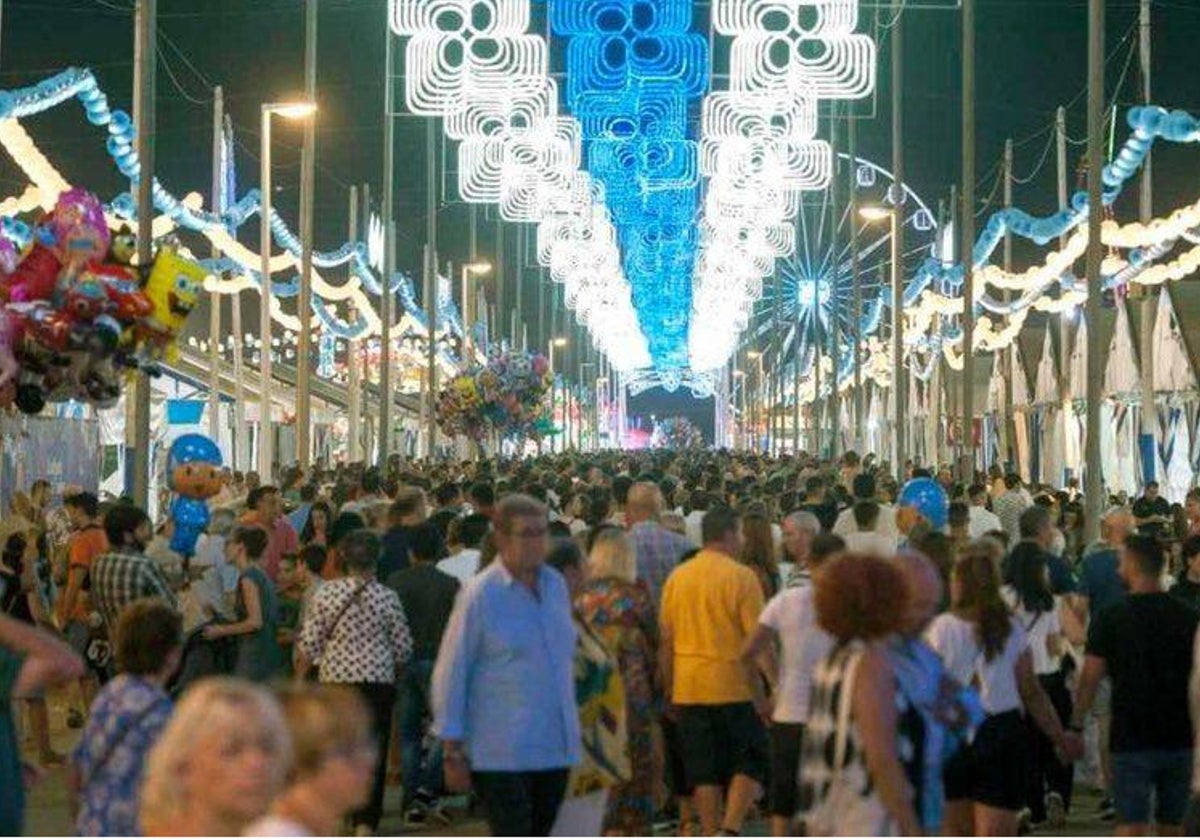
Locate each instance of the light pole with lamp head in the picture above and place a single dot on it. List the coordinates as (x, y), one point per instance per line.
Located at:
(476, 268)
(290, 111)
(757, 407)
(879, 213)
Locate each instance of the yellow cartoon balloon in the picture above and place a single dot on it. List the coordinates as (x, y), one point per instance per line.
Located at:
(173, 287)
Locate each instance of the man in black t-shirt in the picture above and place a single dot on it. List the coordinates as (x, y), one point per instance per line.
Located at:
(1153, 513)
(1144, 643)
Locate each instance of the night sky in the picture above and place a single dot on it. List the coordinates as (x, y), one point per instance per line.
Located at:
(1031, 59)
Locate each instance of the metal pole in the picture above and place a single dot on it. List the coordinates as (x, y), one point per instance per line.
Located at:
(967, 247)
(431, 299)
(386, 401)
(353, 359)
(860, 436)
(308, 157)
(1094, 483)
(214, 299)
(146, 66)
(518, 283)
(1011, 356)
(241, 432)
(834, 326)
(1060, 131)
(265, 427)
(1149, 295)
(501, 321)
(900, 393)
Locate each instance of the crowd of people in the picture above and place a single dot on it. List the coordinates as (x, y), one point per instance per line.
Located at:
(615, 643)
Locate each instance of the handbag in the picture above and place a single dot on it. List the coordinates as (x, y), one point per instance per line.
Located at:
(844, 811)
(313, 669)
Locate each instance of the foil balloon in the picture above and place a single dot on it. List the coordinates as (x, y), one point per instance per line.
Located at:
(927, 498)
(194, 473)
(78, 229)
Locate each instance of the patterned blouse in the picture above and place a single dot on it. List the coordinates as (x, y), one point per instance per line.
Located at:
(367, 644)
(126, 719)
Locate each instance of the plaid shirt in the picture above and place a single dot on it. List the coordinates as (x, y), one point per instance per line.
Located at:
(118, 579)
(658, 551)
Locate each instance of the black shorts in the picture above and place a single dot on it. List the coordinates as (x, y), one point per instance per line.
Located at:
(673, 747)
(723, 741)
(786, 741)
(991, 771)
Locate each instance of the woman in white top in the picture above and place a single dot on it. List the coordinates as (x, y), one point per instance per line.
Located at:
(1040, 614)
(981, 642)
(333, 763)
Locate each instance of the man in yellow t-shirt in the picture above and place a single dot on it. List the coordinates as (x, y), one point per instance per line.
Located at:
(710, 607)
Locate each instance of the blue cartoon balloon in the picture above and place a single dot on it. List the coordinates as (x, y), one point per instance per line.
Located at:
(194, 473)
(927, 498)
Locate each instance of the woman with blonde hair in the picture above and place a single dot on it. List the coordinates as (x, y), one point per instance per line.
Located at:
(333, 762)
(619, 610)
(219, 764)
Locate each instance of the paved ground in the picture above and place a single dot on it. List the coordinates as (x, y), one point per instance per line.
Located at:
(48, 810)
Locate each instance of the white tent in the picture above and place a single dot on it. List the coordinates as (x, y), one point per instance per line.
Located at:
(1119, 426)
(876, 423)
(1175, 388)
(995, 427)
(1047, 401)
(1022, 403)
(1073, 417)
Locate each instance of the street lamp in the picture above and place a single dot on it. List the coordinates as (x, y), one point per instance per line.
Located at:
(290, 111)
(879, 213)
(757, 356)
(476, 268)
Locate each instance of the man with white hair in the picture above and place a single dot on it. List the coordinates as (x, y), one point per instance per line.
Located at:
(799, 528)
(657, 549)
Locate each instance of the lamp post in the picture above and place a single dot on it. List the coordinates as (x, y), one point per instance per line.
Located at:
(757, 407)
(291, 111)
(472, 268)
(741, 393)
(879, 213)
(557, 341)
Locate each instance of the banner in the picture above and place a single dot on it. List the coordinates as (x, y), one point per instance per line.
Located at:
(62, 451)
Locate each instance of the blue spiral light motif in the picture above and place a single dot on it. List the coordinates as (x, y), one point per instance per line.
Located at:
(635, 78)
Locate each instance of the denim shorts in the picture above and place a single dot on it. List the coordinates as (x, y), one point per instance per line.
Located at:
(1167, 774)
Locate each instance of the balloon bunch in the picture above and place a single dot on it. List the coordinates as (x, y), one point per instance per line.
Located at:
(74, 313)
(506, 395)
(677, 433)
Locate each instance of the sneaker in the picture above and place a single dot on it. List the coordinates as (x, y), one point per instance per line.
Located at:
(1056, 811)
(415, 817)
(1107, 811)
(1024, 822)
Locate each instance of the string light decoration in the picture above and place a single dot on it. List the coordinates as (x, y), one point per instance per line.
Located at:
(759, 149)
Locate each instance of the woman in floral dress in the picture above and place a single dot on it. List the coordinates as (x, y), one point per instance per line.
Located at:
(621, 612)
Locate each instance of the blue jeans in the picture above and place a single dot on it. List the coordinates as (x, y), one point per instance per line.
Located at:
(1164, 774)
(422, 770)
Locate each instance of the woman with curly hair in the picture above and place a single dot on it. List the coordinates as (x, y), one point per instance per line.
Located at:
(862, 734)
(980, 641)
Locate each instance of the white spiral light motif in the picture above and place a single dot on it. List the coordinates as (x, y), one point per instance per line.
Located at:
(759, 153)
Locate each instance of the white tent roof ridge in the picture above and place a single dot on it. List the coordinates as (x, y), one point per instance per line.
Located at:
(1020, 378)
(1173, 370)
(1121, 378)
(1045, 389)
(1077, 381)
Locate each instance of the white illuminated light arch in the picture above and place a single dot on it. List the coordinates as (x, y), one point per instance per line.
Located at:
(759, 151)
(474, 63)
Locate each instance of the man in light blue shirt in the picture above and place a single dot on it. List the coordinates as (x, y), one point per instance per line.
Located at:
(504, 687)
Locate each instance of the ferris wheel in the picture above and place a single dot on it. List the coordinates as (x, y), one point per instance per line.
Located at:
(813, 289)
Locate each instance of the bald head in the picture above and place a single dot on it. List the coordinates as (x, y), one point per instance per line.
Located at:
(644, 503)
(924, 591)
(1116, 525)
